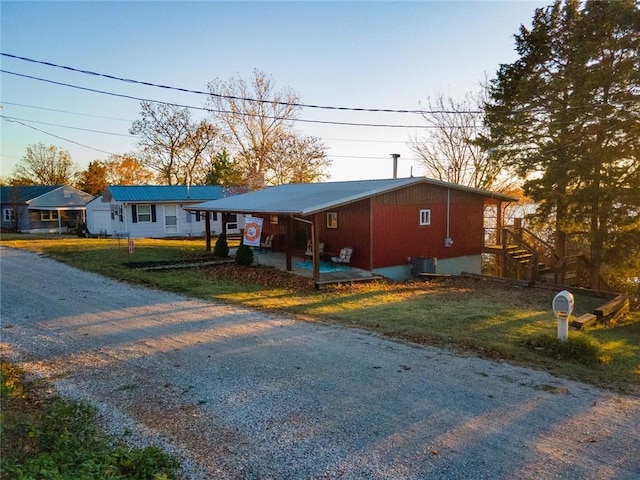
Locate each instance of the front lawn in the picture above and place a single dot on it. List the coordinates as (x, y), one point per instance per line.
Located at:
(497, 321)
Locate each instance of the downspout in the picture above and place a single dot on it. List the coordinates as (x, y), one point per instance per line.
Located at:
(448, 241)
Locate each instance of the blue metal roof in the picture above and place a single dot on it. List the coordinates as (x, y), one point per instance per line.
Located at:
(163, 193)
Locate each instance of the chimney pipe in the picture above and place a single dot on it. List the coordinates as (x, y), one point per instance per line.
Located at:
(395, 157)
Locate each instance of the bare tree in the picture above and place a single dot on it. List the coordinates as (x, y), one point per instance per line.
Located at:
(171, 143)
(297, 159)
(44, 165)
(257, 122)
(449, 151)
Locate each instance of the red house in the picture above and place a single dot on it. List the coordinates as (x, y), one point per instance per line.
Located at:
(388, 223)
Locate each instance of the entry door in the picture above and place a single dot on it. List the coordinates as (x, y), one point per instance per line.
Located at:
(171, 218)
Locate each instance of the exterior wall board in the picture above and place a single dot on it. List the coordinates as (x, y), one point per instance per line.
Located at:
(353, 231)
(398, 234)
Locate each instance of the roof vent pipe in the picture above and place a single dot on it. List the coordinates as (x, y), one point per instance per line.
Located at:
(395, 157)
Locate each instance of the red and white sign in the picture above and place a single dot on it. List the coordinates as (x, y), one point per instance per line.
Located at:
(252, 231)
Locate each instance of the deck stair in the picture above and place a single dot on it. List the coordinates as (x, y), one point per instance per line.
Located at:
(525, 256)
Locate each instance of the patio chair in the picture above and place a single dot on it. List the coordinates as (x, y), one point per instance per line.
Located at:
(345, 256)
(268, 243)
(309, 252)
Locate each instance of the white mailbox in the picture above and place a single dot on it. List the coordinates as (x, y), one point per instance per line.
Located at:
(562, 307)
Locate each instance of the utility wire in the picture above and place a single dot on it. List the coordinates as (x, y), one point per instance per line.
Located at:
(65, 111)
(140, 99)
(71, 127)
(229, 97)
(8, 119)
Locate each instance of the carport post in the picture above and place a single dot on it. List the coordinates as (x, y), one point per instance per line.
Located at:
(315, 251)
(207, 230)
(290, 237)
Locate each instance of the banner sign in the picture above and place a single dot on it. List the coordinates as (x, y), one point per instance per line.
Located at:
(252, 231)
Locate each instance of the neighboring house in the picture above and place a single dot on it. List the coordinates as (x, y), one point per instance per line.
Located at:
(42, 208)
(98, 216)
(157, 210)
(388, 223)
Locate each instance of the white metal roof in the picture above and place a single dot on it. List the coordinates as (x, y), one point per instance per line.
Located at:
(308, 198)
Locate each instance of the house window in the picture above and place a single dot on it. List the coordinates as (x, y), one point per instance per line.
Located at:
(49, 215)
(144, 213)
(425, 217)
(232, 224)
(8, 215)
(274, 219)
(332, 219)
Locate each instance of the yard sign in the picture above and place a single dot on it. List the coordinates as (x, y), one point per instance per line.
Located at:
(252, 231)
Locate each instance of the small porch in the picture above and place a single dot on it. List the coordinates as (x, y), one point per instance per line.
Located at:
(329, 273)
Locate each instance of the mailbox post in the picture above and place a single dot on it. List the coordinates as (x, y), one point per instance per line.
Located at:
(562, 307)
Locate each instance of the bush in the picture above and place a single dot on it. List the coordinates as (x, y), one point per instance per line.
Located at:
(222, 247)
(577, 348)
(82, 231)
(244, 255)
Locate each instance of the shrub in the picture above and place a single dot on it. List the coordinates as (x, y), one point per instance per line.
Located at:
(221, 248)
(244, 255)
(577, 348)
(82, 231)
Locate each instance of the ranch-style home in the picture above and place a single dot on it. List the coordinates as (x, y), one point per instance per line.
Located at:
(156, 211)
(42, 208)
(392, 226)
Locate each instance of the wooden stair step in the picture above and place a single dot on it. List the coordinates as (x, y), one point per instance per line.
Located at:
(583, 320)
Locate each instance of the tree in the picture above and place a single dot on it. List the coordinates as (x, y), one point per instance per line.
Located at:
(566, 116)
(223, 171)
(258, 123)
(93, 180)
(44, 165)
(171, 143)
(450, 152)
(297, 159)
(126, 170)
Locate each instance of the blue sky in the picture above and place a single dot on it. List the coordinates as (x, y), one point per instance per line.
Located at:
(356, 54)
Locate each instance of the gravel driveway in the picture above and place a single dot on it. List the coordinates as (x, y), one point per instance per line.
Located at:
(238, 393)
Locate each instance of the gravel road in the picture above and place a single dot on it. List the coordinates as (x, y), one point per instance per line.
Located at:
(236, 393)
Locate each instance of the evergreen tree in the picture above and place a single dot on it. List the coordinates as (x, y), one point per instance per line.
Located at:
(221, 248)
(566, 116)
(244, 255)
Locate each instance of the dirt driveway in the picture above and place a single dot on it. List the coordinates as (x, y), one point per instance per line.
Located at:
(244, 394)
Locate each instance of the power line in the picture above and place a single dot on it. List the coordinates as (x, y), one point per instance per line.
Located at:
(229, 97)
(329, 139)
(8, 119)
(70, 127)
(65, 111)
(140, 99)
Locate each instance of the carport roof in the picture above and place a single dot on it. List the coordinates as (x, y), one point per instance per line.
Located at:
(308, 198)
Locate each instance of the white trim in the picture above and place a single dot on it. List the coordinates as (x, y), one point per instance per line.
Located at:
(425, 216)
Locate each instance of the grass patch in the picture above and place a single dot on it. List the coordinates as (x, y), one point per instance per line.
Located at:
(491, 320)
(48, 437)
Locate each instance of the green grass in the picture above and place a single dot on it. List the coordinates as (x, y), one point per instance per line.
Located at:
(50, 437)
(492, 320)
